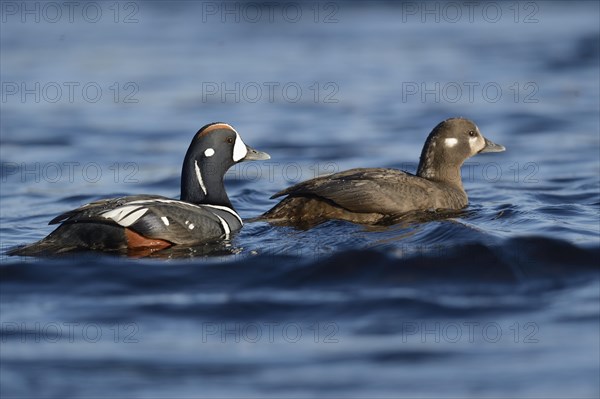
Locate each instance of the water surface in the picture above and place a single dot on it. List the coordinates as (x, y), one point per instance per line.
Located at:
(500, 301)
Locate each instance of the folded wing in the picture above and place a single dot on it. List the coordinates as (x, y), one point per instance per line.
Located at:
(157, 217)
(373, 190)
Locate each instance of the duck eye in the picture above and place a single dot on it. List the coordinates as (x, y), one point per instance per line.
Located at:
(230, 140)
(472, 133)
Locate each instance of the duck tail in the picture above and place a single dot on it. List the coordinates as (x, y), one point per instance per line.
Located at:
(63, 239)
(43, 247)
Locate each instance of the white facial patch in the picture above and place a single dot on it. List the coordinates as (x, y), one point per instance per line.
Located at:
(451, 142)
(239, 148)
(473, 141)
(199, 177)
(209, 152)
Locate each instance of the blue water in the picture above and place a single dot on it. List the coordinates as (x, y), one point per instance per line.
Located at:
(503, 301)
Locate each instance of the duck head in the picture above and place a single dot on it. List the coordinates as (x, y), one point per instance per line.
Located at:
(448, 146)
(215, 148)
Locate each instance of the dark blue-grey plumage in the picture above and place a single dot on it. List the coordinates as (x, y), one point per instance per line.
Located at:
(149, 222)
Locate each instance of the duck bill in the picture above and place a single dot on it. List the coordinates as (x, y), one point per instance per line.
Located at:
(255, 155)
(490, 146)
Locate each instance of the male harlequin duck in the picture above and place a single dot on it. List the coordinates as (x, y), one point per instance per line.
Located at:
(150, 222)
(377, 195)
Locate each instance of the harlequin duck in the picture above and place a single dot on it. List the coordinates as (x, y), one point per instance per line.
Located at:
(149, 222)
(377, 195)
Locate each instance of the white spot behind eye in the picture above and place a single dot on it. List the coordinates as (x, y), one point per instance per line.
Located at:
(209, 152)
(451, 142)
(239, 148)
